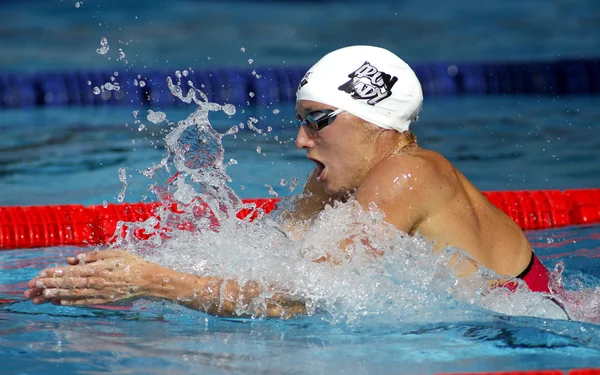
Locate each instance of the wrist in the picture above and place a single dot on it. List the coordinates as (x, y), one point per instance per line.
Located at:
(163, 283)
(183, 288)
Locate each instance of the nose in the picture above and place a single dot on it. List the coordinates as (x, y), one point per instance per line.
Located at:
(303, 139)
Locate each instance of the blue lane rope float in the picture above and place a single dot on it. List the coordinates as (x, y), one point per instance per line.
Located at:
(277, 84)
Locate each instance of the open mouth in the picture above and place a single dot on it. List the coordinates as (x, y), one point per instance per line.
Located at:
(320, 174)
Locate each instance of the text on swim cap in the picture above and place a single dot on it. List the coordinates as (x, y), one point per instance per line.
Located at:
(367, 82)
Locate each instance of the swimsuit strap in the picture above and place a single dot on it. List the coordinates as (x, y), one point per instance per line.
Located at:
(528, 268)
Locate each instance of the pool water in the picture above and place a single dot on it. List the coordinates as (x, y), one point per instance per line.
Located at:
(164, 338)
(72, 155)
(516, 141)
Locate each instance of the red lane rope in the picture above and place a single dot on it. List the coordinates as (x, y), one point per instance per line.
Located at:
(582, 371)
(75, 225)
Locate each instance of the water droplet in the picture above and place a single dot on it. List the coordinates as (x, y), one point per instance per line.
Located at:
(142, 83)
(121, 54)
(250, 61)
(104, 204)
(242, 187)
(89, 83)
(156, 117)
(293, 184)
(135, 114)
(258, 149)
(103, 46)
(96, 90)
(123, 179)
(282, 182)
(251, 94)
(141, 127)
(271, 191)
(178, 74)
(233, 130)
(229, 109)
(275, 111)
(242, 50)
(116, 74)
(78, 4)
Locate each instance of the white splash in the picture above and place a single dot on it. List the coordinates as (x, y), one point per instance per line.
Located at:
(375, 272)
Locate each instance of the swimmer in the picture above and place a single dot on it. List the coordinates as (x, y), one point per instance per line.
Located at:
(354, 108)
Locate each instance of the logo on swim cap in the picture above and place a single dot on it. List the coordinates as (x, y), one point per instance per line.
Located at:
(304, 81)
(367, 82)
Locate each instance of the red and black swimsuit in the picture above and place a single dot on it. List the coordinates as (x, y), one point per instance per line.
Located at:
(536, 276)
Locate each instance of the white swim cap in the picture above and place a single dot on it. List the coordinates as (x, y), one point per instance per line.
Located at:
(370, 82)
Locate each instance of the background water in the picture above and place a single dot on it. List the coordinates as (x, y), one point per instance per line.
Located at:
(52, 156)
(71, 155)
(177, 34)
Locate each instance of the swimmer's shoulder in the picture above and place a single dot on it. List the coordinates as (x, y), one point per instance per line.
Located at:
(418, 166)
(417, 175)
(406, 186)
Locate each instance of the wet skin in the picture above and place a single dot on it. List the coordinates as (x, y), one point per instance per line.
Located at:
(418, 190)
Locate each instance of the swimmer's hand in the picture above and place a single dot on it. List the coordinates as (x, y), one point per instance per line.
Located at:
(109, 276)
(94, 278)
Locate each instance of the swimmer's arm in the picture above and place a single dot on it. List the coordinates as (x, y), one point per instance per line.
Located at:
(221, 297)
(110, 276)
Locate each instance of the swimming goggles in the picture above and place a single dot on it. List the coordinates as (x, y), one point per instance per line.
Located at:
(317, 120)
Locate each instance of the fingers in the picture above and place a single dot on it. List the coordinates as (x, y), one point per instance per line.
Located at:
(36, 296)
(70, 271)
(71, 282)
(79, 293)
(33, 292)
(96, 255)
(81, 302)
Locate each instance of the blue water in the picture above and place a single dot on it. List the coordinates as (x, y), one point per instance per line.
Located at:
(72, 155)
(182, 33)
(158, 337)
(500, 143)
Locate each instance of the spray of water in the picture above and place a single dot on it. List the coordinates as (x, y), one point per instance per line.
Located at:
(380, 274)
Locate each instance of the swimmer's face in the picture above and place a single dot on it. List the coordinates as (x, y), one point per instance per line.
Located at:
(342, 150)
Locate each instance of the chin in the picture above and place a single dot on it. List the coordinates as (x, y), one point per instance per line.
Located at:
(330, 188)
(335, 191)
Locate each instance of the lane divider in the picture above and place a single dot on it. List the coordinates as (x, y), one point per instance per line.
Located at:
(277, 84)
(24, 227)
(581, 371)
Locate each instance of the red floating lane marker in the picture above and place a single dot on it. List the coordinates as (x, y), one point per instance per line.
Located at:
(76, 225)
(585, 371)
(525, 372)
